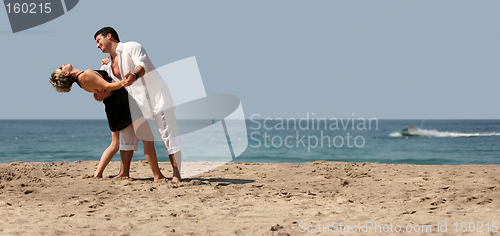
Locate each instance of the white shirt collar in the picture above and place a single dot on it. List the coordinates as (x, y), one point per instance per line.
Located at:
(119, 48)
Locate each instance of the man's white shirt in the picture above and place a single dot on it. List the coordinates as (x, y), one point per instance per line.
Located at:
(149, 87)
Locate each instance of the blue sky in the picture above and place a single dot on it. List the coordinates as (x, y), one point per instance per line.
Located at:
(282, 58)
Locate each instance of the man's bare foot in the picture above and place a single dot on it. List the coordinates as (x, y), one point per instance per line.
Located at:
(97, 176)
(176, 179)
(120, 176)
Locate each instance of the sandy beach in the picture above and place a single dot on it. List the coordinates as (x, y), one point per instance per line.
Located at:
(325, 198)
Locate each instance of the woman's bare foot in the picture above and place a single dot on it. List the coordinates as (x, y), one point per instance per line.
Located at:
(159, 178)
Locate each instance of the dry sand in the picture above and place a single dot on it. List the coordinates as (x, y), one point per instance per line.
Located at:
(249, 199)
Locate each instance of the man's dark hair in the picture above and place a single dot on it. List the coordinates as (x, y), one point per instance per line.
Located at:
(107, 30)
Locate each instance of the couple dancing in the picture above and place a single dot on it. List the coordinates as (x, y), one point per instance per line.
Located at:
(124, 74)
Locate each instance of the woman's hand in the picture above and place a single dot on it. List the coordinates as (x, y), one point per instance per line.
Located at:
(130, 78)
(105, 61)
(102, 94)
(127, 82)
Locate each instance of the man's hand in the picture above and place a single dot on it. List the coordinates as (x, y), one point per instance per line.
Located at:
(105, 61)
(130, 78)
(102, 94)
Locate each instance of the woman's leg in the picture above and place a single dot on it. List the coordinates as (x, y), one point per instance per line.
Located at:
(108, 154)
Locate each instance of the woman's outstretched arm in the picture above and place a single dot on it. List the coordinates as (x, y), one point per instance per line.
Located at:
(97, 82)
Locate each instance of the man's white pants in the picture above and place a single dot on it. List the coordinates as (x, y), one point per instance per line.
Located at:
(166, 126)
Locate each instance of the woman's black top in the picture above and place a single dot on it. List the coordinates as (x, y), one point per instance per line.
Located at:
(116, 106)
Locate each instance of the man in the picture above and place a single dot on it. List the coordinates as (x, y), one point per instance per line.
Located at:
(130, 61)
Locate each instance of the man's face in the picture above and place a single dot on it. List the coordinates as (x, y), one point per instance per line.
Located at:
(103, 43)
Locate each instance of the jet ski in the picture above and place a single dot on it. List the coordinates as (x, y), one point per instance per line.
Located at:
(410, 131)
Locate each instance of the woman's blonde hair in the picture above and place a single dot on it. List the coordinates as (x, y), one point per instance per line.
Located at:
(60, 82)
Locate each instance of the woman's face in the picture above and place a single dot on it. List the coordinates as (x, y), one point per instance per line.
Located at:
(66, 68)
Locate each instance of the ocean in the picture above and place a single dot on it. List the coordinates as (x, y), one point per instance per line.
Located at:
(440, 142)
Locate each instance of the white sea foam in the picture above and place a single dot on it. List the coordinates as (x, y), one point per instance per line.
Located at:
(444, 134)
(395, 134)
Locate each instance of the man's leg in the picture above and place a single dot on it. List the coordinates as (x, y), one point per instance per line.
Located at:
(128, 143)
(125, 160)
(150, 154)
(177, 175)
(167, 128)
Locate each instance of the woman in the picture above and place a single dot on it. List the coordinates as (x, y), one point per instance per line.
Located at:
(116, 105)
